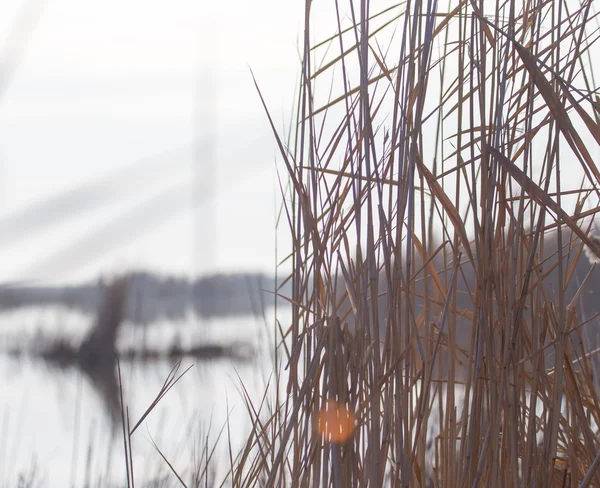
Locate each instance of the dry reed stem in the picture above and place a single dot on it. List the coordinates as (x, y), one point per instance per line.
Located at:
(437, 280)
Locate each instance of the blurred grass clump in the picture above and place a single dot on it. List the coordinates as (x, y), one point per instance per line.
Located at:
(441, 190)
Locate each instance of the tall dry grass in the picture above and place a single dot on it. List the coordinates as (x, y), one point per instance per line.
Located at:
(436, 149)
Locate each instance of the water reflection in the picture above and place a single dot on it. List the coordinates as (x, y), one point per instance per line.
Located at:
(97, 354)
(65, 411)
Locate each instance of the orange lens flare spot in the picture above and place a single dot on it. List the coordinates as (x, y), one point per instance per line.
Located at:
(335, 422)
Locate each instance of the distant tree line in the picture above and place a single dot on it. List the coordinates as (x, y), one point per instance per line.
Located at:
(152, 297)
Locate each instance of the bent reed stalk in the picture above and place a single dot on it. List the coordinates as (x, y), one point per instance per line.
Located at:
(440, 177)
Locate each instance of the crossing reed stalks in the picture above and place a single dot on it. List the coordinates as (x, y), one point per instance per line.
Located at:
(441, 193)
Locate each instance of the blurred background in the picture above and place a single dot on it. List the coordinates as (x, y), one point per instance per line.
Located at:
(138, 206)
(133, 136)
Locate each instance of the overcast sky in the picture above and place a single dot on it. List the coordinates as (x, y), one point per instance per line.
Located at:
(89, 89)
(119, 118)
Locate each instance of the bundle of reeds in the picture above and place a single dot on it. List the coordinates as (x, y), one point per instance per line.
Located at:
(438, 291)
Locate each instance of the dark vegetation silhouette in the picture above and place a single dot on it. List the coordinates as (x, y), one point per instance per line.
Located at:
(580, 284)
(97, 355)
